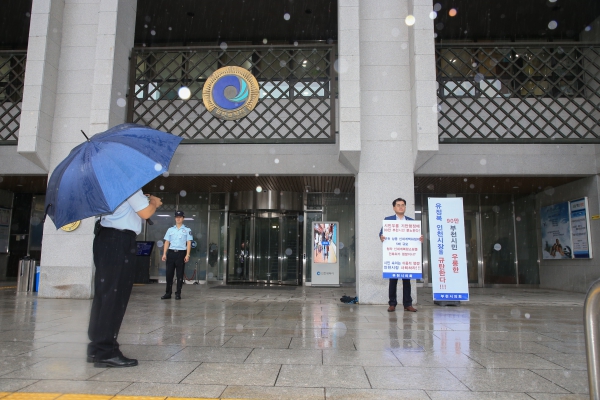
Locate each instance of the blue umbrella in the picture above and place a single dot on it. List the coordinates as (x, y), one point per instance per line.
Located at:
(100, 174)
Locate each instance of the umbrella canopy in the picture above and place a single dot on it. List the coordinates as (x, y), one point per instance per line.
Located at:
(100, 174)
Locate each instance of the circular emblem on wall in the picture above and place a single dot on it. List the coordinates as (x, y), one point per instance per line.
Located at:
(71, 227)
(230, 93)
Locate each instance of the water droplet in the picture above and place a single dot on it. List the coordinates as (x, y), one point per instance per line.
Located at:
(161, 187)
(497, 247)
(341, 245)
(527, 315)
(276, 161)
(439, 26)
(340, 65)
(259, 189)
(160, 243)
(552, 25)
(479, 77)
(170, 28)
(184, 93)
(121, 102)
(166, 174)
(430, 186)
(158, 167)
(465, 179)
(518, 219)
(452, 12)
(28, 14)
(394, 135)
(472, 186)
(496, 209)
(483, 161)
(288, 251)
(223, 46)
(433, 15)
(239, 327)
(300, 218)
(336, 191)
(183, 193)
(282, 63)
(395, 32)
(265, 41)
(437, 7)
(102, 280)
(286, 16)
(153, 32)
(588, 28)
(409, 20)
(295, 43)
(549, 190)
(515, 312)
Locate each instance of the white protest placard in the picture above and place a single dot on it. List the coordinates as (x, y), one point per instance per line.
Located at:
(402, 249)
(449, 278)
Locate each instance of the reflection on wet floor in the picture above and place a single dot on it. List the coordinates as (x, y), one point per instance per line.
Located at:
(304, 344)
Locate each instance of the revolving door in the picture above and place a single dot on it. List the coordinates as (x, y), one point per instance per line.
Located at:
(264, 247)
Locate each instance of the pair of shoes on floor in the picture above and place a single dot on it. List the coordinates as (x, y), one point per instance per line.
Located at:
(168, 296)
(115, 362)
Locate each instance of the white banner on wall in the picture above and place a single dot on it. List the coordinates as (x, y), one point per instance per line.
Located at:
(402, 249)
(449, 278)
(580, 232)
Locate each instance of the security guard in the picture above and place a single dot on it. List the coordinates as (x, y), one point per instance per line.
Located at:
(114, 257)
(177, 248)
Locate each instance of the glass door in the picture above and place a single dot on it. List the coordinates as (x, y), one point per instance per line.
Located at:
(240, 236)
(266, 245)
(290, 258)
(474, 262)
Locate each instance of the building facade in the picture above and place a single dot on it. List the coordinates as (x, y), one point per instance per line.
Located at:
(360, 103)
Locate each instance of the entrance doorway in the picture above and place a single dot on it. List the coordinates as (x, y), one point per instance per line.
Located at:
(264, 247)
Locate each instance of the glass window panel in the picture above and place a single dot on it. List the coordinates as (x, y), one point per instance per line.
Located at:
(459, 89)
(456, 63)
(527, 244)
(274, 90)
(310, 89)
(201, 65)
(311, 63)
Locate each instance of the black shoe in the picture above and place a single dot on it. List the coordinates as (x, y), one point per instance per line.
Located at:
(165, 296)
(177, 297)
(116, 362)
(91, 359)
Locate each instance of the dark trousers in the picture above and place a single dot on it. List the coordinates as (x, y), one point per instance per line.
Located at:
(114, 257)
(406, 298)
(175, 262)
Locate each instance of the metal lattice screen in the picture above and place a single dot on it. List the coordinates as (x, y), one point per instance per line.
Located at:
(12, 78)
(296, 102)
(519, 93)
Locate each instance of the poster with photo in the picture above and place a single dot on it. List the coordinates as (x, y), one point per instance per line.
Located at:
(556, 232)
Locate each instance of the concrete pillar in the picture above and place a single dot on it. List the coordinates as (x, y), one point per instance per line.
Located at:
(88, 63)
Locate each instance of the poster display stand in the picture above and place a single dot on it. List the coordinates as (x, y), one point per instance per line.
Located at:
(325, 266)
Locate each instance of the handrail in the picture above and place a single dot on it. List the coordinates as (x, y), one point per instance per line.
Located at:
(591, 313)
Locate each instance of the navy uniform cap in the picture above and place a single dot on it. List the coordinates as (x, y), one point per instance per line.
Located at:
(179, 213)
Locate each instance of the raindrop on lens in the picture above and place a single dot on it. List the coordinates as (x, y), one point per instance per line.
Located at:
(166, 174)
(102, 280)
(121, 102)
(452, 12)
(259, 189)
(409, 20)
(496, 209)
(153, 32)
(160, 243)
(588, 28)
(239, 327)
(336, 191)
(300, 218)
(472, 186)
(282, 63)
(527, 315)
(433, 15)
(183, 193)
(295, 43)
(265, 41)
(184, 93)
(394, 135)
(223, 46)
(286, 16)
(341, 245)
(277, 161)
(552, 25)
(437, 7)
(161, 187)
(518, 219)
(479, 77)
(497, 247)
(158, 167)
(483, 161)
(515, 313)
(288, 251)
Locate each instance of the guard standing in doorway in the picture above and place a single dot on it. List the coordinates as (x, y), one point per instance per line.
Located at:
(177, 248)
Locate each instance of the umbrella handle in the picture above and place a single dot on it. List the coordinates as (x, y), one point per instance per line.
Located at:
(150, 222)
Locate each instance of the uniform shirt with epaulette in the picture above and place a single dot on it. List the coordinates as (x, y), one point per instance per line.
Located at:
(178, 237)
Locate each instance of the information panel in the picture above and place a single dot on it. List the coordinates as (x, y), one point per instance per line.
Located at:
(556, 231)
(402, 249)
(580, 232)
(325, 269)
(449, 278)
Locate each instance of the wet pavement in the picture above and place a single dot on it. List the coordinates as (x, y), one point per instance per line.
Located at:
(304, 344)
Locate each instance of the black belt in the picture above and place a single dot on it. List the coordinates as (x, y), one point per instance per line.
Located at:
(175, 251)
(120, 230)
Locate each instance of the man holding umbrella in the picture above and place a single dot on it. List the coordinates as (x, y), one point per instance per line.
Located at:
(114, 257)
(102, 177)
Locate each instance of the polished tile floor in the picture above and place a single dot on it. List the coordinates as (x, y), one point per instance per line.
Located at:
(304, 344)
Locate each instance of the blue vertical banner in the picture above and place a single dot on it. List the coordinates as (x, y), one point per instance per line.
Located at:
(449, 278)
(580, 232)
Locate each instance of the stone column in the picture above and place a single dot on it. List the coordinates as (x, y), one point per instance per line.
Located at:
(90, 61)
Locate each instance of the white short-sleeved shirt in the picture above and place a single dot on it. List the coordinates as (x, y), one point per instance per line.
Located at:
(125, 216)
(178, 237)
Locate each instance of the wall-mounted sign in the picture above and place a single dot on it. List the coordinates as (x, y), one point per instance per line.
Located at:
(325, 269)
(565, 230)
(230, 93)
(402, 249)
(449, 280)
